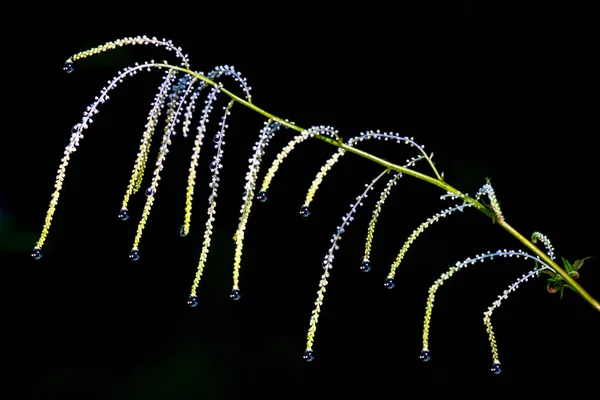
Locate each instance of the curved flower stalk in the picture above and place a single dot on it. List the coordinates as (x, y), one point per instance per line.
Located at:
(208, 107)
(143, 40)
(425, 354)
(414, 235)
(496, 365)
(328, 264)
(139, 167)
(266, 134)
(189, 196)
(76, 136)
(177, 99)
(328, 259)
(486, 189)
(215, 166)
(216, 73)
(311, 132)
(305, 211)
(366, 263)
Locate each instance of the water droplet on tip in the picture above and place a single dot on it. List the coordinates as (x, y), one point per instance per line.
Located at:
(262, 196)
(496, 368)
(134, 255)
(304, 211)
(235, 294)
(425, 356)
(308, 356)
(389, 283)
(182, 231)
(192, 301)
(123, 214)
(68, 67)
(36, 254)
(365, 266)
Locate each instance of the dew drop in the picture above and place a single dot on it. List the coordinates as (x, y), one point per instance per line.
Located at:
(192, 301)
(213, 166)
(123, 214)
(182, 231)
(36, 254)
(304, 211)
(134, 255)
(235, 294)
(150, 191)
(496, 369)
(75, 128)
(308, 356)
(425, 356)
(262, 196)
(68, 67)
(365, 266)
(389, 283)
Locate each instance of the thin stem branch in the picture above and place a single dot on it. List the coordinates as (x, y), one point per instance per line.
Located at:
(429, 179)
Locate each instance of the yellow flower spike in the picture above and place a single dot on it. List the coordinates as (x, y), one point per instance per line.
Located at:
(328, 264)
(425, 355)
(212, 201)
(142, 157)
(266, 134)
(304, 211)
(174, 107)
(319, 178)
(219, 71)
(420, 229)
(489, 329)
(487, 316)
(319, 130)
(376, 211)
(189, 195)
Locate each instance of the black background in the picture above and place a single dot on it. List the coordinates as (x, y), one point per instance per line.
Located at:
(512, 102)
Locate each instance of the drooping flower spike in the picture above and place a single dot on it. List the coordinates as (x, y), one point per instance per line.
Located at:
(139, 166)
(215, 166)
(329, 257)
(270, 175)
(176, 101)
(266, 134)
(366, 262)
(487, 315)
(496, 365)
(415, 234)
(77, 136)
(378, 135)
(208, 107)
(425, 353)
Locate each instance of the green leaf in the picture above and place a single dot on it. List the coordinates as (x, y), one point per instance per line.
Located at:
(567, 265)
(577, 264)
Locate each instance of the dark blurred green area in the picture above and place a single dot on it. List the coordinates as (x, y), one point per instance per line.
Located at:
(86, 322)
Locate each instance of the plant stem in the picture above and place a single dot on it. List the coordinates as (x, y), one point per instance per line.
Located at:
(434, 181)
